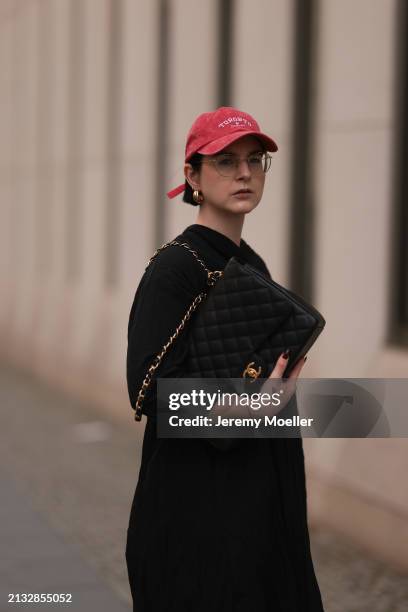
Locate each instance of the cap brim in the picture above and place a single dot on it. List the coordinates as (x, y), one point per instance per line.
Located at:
(218, 145)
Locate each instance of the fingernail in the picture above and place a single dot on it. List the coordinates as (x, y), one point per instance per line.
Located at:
(285, 355)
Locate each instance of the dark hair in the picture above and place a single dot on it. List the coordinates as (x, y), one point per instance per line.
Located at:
(195, 161)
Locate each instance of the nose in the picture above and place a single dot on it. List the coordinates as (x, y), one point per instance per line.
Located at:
(243, 170)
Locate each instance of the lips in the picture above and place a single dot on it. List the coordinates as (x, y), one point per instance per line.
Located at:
(242, 191)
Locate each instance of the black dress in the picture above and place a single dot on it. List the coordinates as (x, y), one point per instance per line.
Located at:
(212, 528)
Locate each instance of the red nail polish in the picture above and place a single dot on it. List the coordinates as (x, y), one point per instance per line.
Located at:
(285, 355)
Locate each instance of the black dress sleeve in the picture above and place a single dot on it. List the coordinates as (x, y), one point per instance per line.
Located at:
(161, 301)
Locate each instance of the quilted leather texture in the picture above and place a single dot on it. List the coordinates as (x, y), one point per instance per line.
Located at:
(247, 317)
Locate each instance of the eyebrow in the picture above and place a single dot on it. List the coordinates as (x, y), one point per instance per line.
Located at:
(230, 153)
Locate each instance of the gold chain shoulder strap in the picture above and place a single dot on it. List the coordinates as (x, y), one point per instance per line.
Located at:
(212, 277)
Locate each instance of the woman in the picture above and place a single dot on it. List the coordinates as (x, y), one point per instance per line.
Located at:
(213, 527)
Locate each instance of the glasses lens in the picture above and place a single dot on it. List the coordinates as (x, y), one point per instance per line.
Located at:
(256, 163)
(227, 165)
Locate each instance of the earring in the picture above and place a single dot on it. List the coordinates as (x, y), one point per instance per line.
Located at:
(198, 197)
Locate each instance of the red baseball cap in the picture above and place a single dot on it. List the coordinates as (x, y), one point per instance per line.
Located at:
(212, 132)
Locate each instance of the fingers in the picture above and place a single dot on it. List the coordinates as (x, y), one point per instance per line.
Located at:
(289, 384)
(282, 362)
(280, 365)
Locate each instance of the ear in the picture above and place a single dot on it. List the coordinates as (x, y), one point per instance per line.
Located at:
(192, 176)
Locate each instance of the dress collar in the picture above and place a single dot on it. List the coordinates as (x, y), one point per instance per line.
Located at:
(219, 241)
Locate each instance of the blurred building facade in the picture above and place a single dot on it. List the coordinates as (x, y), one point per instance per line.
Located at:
(96, 100)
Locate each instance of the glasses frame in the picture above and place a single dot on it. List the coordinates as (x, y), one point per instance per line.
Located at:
(213, 160)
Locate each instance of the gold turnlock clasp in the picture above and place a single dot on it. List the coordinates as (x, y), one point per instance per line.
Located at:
(251, 372)
(213, 276)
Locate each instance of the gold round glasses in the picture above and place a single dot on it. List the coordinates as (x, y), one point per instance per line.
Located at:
(227, 164)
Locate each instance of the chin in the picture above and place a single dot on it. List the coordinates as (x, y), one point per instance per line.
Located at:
(242, 206)
(238, 207)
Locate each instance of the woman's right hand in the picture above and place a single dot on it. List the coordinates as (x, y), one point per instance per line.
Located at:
(281, 364)
(286, 386)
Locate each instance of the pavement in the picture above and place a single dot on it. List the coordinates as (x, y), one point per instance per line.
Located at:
(67, 476)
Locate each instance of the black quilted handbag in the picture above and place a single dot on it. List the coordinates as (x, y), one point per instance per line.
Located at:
(244, 324)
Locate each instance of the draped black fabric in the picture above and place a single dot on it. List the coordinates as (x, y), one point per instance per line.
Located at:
(213, 527)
